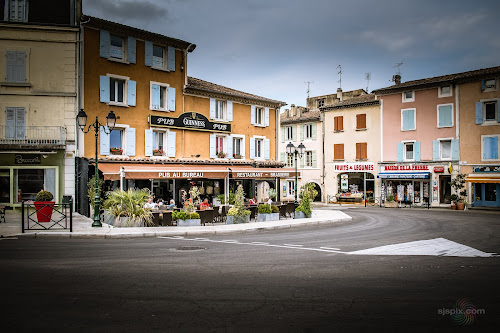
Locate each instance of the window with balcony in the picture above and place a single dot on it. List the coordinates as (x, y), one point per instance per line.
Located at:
(16, 10)
(15, 119)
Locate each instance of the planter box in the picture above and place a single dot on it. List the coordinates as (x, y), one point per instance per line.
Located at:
(300, 215)
(189, 223)
(122, 222)
(268, 217)
(393, 204)
(231, 219)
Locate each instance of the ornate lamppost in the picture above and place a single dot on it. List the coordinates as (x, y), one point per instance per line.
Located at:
(81, 119)
(296, 151)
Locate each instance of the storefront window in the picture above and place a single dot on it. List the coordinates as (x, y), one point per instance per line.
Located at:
(30, 181)
(4, 185)
(478, 192)
(490, 192)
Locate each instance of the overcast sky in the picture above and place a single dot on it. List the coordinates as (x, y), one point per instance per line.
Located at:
(272, 47)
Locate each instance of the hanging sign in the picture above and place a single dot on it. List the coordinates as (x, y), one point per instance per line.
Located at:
(191, 121)
(438, 169)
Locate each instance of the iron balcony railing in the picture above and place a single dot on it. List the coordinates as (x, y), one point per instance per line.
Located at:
(33, 135)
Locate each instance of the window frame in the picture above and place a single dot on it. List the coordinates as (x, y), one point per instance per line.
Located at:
(404, 99)
(123, 128)
(320, 103)
(288, 133)
(486, 89)
(290, 188)
(442, 95)
(307, 128)
(163, 86)
(405, 145)
(258, 140)
(125, 79)
(490, 101)
(7, 11)
(240, 137)
(164, 57)
(414, 119)
(290, 160)
(441, 140)
(259, 110)
(308, 153)
(452, 115)
(483, 159)
(164, 133)
(224, 109)
(124, 48)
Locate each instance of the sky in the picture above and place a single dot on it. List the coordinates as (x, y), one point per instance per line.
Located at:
(272, 48)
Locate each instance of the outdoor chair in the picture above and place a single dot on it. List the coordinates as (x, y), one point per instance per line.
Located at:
(167, 219)
(209, 217)
(156, 219)
(290, 209)
(253, 212)
(216, 214)
(283, 210)
(224, 213)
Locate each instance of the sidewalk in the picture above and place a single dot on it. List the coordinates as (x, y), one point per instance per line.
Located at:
(82, 227)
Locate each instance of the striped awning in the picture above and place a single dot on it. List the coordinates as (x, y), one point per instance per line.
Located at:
(482, 178)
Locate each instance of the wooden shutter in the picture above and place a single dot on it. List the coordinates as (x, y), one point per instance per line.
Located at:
(361, 121)
(148, 140)
(338, 124)
(171, 99)
(131, 92)
(252, 148)
(338, 151)
(267, 149)
(130, 132)
(171, 144)
(361, 150)
(252, 114)
(131, 50)
(148, 53)
(213, 153)
(212, 108)
(266, 117)
(229, 109)
(229, 141)
(171, 58)
(104, 43)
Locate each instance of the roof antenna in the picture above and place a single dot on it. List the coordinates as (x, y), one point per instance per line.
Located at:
(398, 65)
(308, 83)
(339, 67)
(368, 78)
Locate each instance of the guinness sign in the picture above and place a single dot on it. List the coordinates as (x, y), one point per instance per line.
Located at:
(191, 121)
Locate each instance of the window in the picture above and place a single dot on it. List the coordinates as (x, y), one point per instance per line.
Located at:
(259, 116)
(219, 144)
(490, 111)
(408, 151)
(237, 145)
(338, 151)
(116, 48)
(158, 56)
(408, 96)
(158, 140)
(309, 159)
(489, 147)
(361, 153)
(445, 149)
(116, 141)
(259, 148)
(220, 107)
(308, 134)
(321, 103)
(290, 160)
(361, 121)
(16, 66)
(489, 84)
(291, 188)
(17, 10)
(159, 97)
(444, 91)
(408, 119)
(289, 133)
(338, 123)
(28, 182)
(445, 115)
(15, 119)
(116, 90)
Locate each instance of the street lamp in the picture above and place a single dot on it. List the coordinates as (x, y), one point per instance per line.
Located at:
(296, 151)
(81, 119)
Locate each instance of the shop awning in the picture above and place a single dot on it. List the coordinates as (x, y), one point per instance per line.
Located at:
(403, 175)
(111, 171)
(482, 178)
(244, 172)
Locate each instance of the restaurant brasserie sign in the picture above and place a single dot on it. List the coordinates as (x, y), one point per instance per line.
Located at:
(190, 121)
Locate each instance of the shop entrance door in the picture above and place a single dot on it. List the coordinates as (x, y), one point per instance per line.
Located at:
(444, 189)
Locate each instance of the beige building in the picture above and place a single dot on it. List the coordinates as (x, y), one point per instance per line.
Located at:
(38, 100)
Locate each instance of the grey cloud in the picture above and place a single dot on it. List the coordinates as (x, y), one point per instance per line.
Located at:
(124, 9)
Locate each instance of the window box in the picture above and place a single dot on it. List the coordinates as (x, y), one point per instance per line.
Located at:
(237, 156)
(158, 152)
(221, 154)
(116, 151)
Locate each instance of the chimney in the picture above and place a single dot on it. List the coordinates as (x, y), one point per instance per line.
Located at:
(292, 110)
(397, 79)
(339, 94)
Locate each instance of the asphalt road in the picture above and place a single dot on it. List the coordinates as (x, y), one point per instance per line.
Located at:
(293, 280)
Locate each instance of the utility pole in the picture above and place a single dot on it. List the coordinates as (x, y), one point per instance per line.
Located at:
(308, 83)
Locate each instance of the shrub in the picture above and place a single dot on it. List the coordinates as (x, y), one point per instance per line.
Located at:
(91, 189)
(264, 209)
(129, 204)
(183, 215)
(239, 208)
(390, 198)
(458, 184)
(222, 198)
(275, 209)
(307, 193)
(44, 196)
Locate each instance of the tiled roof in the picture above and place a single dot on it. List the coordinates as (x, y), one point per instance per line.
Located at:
(352, 102)
(205, 86)
(437, 80)
(305, 116)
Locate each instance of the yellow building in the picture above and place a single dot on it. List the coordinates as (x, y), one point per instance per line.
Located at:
(172, 131)
(38, 99)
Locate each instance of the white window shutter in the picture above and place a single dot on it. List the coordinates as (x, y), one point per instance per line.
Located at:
(10, 123)
(171, 99)
(229, 107)
(315, 159)
(252, 114)
(104, 88)
(212, 146)
(229, 146)
(130, 132)
(313, 133)
(266, 117)
(267, 149)
(302, 127)
(171, 58)
(148, 140)
(132, 52)
(294, 132)
(104, 141)
(212, 108)
(148, 53)
(131, 92)
(155, 96)
(104, 43)
(20, 123)
(252, 148)
(171, 144)
(282, 134)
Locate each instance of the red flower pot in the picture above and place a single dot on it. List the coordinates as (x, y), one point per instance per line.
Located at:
(44, 210)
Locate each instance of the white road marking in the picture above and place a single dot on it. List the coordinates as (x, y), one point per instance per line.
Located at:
(329, 248)
(260, 243)
(293, 245)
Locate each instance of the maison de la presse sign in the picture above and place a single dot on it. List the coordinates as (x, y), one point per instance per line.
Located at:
(190, 121)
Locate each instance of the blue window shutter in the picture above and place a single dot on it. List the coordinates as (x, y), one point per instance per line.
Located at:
(252, 114)
(400, 152)
(294, 132)
(171, 58)
(148, 53)
(490, 148)
(315, 163)
(20, 123)
(313, 131)
(10, 123)
(266, 116)
(104, 88)
(483, 85)
(267, 149)
(212, 108)
(416, 148)
(455, 149)
(213, 154)
(130, 133)
(229, 146)
(104, 141)
(155, 96)
(132, 52)
(479, 113)
(148, 140)
(252, 148)
(435, 150)
(445, 116)
(11, 66)
(229, 106)
(408, 120)
(104, 43)
(171, 99)
(171, 144)
(131, 92)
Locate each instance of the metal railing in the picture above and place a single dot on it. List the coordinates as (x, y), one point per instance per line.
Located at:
(46, 216)
(32, 135)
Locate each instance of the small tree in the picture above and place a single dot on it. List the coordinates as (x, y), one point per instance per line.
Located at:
(458, 184)
(239, 206)
(307, 193)
(272, 193)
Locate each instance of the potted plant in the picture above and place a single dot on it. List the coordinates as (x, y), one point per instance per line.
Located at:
(390, 202)
(157, 152)
(458, 184)
(307, 193)
(454, 201)
(238, 213)
(221, 154)
(237, 156)
(44, 206)
(116, 150)
(188, 217)
(126, 208)
(222, 198)
(267, 213)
